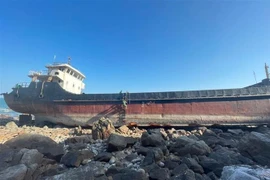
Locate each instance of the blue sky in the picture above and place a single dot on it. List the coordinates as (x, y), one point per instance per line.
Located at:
(140, 45)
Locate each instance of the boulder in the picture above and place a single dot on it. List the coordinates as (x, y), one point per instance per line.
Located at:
(47, 167)
(12, 125)
(149, 158)
(153, 139)
(17, 172)
(185, 145)
(103, 156)
(257, 146)
(212, 176)
(170, 164)
(43, 144)
(245, 172)
(178, 170)
(90, 171)
(159, 174)
(75, 158)
(130, 174)
(102, 128)
(6, 156)
(236, 131)
(31, 157)
(79, 139)
(187, 175)
(117, 142)
(193, 165)
(222, 157)
(210, 164)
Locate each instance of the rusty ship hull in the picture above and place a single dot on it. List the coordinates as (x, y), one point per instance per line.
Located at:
(250, 105)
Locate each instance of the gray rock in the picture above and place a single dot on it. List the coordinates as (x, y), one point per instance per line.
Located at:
(245, 172)
(79, 139)
(256, 145)
(149, 158)
(212, 176)
(43, 144)
(222, 157)
(113, 170)
(236, 131)
(153, 139)
(118, 142)
(158, 154)
(112, 160)
(17, 172)
(131, 157)
(201, 177)
(170, 164)
(193, 165)
(77, 146)
(47, 167)
(210, 164)
(90, 171)
(187, 175)
(185, 145)
(75, 158)
(103, 156)
(130, 174)
(179, 169)
(30, 171)
(31, 156)
(159, 174)
(142, 150)
(6, 156)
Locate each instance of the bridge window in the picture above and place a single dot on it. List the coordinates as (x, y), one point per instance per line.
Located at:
(56, 73)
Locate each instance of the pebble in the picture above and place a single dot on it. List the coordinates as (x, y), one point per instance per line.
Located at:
(112, 160)
(161, 164)
(129, 165)
(136, 160)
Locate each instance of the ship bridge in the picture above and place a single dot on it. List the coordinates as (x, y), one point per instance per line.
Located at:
(69, 78)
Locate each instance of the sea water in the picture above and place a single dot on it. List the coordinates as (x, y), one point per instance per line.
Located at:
(4, 109)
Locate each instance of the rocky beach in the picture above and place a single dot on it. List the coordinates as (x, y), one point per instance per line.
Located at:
(108, 153)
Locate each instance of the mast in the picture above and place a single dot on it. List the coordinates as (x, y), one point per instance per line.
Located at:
(266, 71)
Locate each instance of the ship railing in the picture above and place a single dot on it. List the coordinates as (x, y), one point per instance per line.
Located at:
(22, 85)
(38, 73)
(56, 63)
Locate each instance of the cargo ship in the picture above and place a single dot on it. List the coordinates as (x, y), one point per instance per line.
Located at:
(56, 96)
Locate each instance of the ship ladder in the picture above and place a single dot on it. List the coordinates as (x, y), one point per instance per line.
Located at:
(125, 100)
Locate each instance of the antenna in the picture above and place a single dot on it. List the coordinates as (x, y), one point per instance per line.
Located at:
(54, 57)
(255, 76)
(69, 59)
(266, 71)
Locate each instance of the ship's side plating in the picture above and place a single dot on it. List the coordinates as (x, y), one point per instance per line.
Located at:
(249, 105)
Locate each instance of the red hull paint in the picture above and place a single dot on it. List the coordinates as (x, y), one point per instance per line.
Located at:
(243, 107)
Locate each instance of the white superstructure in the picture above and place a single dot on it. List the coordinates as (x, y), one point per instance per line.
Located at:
(69, 78)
